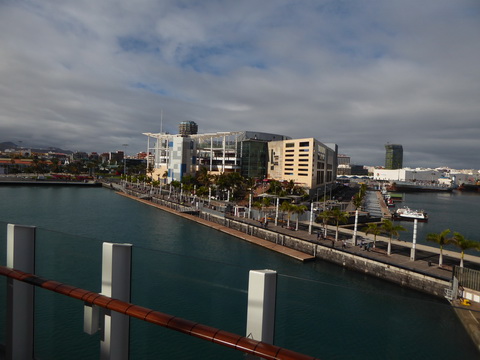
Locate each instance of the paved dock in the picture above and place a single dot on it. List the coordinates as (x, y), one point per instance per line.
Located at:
(252, 239)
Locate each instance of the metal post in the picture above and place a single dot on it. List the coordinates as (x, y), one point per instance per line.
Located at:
(262, 287)
(355, 229)
(250, 206)
(276, 211)
(414, 242)
(116, 276)
(311, 219)
(20, 296)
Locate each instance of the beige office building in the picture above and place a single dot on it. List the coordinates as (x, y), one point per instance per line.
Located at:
(307, 162)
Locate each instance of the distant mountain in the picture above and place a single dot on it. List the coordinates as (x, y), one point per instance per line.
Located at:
(7, 145)
(11, 145)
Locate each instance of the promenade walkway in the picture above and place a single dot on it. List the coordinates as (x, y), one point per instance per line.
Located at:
(426, 257)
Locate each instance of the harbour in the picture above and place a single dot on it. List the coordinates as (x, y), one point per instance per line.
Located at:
(182, 252)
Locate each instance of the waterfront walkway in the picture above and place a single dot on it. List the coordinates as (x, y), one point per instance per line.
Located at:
(425, 263)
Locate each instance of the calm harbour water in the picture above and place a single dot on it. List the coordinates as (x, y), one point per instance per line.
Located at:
(457, 211)
(191, 271)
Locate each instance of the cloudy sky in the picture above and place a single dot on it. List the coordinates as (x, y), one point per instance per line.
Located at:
(91, 75)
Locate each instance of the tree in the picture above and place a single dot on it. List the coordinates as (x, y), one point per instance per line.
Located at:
(374, 229)
(275, 187)
(392, 230)
(464, 244)
(442, 240)
(258, 205)
(299, 210)
(288, 208)
(357, 200)
(338, 216)
(324, 216)
(203, 177)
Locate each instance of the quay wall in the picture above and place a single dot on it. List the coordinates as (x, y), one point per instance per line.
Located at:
(404, 277)
(383, 270)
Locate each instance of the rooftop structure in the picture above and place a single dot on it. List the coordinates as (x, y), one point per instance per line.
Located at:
(186, 128)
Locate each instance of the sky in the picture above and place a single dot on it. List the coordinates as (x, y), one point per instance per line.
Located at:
(89, 75)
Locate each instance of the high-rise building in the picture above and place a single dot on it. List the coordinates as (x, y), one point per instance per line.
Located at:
(393, 156)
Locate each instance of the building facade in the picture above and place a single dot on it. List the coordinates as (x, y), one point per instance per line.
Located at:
(174, 156)
(393, 156)
(307, 162)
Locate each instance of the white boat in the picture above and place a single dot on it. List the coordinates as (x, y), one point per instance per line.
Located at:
(406, 213)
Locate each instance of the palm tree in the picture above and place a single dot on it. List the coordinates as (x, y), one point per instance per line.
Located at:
(258, 205)
(288, 208)
(357, 200)
(324, 216)
(266, 202)
(392, 230)
(299, 210)
(464, 244)
(373, 228)
(203, 177)
(442, 240)
(338, 216)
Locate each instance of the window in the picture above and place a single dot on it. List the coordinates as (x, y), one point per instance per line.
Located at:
(304, 144)
(289, 145)
(302, 174)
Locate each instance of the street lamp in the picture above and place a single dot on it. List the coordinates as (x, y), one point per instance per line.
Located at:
(125, 162)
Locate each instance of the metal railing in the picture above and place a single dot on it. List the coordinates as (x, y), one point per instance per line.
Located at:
(468, 278)
(204, 332)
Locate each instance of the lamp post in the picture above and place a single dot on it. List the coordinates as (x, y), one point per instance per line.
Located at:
(276, 211)
(125, 162)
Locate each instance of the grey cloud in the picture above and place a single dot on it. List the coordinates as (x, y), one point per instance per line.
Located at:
(93, 75)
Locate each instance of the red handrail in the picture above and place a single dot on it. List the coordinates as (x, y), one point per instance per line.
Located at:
(224, 338)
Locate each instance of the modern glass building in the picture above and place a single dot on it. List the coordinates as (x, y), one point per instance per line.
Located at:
(393, 156)
(254, 155)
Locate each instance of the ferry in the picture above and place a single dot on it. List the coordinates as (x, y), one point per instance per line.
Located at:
(416, 186)
(408, 214)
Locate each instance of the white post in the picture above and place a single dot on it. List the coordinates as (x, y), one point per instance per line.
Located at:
(250, 206)
(116, 276)
(276, 211)
(262, 287)
(414, 243)
(355, 229)
(20, 296)
(209, 194)
(311, 219)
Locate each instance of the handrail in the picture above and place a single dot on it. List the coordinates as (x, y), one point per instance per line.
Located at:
(204, 332)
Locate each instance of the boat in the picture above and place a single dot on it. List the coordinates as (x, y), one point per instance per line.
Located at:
(408, 214)
(407, 186)
(470, 187)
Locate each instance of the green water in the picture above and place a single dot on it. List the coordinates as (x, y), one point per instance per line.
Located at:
(194, 272)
